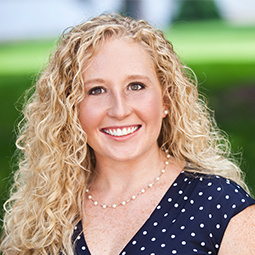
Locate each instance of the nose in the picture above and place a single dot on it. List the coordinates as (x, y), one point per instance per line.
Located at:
(120, 107)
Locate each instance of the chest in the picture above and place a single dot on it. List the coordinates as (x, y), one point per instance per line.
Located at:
(108, 231)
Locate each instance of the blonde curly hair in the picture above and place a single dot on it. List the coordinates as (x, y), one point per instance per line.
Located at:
(56, 164)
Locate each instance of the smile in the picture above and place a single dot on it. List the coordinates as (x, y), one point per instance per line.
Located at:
(120, 131)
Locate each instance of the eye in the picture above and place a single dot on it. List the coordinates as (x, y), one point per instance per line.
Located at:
(136, 86)
(96, 91)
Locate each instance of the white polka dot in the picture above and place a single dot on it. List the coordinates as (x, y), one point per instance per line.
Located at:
(83, 248)
(142, 248)
(219, 189)
(158, 207)
(192, 201)
(169, 199)
(184, 243)
(218, 226)
(192, 218)
(172, 236)
(180, 192)
(201, 208)
(123, 253)
(211, 235)
(182, 227)
(175, 184)
(200, 193)
(166, 214)
(193, 234)
(202, 243)
(153, 253)
(183, 210)
(185, 198)
(173, 221)
(209, 184)
(195, 250)
(176, 205)
(163, 245)
(75, 227)
(201, 179)
(217, 246)
(243, 200)
(78, 237)
(209, 252)
(210, 216)
(134, 242)
(217, 176)
(202, 225)
(225, 216)
(218, 206)
(163, 230)
(185, 179)
(228, 181)
(233, 206)
(144, 233)
(155, 224)
(210, 198)
(153, 239)
(236, 191)
(174, 252)
(227, 196)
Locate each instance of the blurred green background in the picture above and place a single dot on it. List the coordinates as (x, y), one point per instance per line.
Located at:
(221, 54)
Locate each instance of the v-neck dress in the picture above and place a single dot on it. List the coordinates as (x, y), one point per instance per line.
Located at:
(190, 219)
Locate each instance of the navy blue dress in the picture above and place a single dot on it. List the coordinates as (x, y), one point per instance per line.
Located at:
(190, 219)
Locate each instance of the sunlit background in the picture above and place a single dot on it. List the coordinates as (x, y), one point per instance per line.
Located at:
(215, 38)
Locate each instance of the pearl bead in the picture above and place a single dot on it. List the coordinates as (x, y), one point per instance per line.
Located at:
(134, 196)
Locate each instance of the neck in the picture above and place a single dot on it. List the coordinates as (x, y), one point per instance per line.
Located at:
(126, 176)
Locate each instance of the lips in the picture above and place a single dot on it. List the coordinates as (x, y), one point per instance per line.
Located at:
(121, 131)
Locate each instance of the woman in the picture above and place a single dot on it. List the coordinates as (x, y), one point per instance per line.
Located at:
(118, 149)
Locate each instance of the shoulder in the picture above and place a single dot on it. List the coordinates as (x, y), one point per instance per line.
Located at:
(222, 197)
(239, 237)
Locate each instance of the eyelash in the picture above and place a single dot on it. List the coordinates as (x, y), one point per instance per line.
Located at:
(141, 86)
(93, 91)
(100, 90)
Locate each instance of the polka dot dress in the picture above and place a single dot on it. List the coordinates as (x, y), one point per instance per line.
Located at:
(191, 218)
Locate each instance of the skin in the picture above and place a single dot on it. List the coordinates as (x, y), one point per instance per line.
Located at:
(122, 91)
(239, 237)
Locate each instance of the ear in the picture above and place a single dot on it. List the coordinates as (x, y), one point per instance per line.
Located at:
(165, 112)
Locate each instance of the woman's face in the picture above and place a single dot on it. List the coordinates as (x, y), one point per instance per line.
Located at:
(123, 109)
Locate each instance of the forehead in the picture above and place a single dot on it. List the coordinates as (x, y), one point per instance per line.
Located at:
(120, 55)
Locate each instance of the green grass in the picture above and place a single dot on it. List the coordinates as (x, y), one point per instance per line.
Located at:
(222, 56)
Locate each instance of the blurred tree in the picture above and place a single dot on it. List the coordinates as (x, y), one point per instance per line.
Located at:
(132, 8)
(197, 10)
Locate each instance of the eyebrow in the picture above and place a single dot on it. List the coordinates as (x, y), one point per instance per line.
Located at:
(129, 77)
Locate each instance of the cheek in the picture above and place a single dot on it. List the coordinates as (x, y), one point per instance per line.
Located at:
(88, 115)
(153, 107)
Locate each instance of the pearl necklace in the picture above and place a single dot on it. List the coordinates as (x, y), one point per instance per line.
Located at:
(142, 191)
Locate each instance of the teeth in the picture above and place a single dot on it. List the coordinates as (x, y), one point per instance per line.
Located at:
(121, 132)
